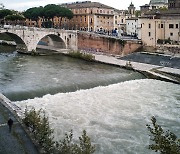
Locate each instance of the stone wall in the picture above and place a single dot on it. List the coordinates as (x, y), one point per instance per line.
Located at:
(99, 43)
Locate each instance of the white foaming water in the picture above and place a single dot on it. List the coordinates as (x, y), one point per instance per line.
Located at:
(114, 116)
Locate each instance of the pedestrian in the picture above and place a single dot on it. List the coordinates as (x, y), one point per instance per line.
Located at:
(10, 123)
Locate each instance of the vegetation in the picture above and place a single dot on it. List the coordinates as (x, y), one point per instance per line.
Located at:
(85, 56)
(38, 124)
(164, 41)
(48, 12)
(5, 12)
(164, 142)
(14, 17)
(121, 42)
(138, 13)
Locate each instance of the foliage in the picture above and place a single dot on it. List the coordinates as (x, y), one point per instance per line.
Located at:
(38, 124)
(49, 11)
(85, 56)
(138, 13)
(121, 42)
(34, 13)
(5, 12)
(164, 41)
(163, 8)
(14, 17)
(165, 142)
(69, 147)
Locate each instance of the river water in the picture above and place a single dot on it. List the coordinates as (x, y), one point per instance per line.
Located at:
(114, 113)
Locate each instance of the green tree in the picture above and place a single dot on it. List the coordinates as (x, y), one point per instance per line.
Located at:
(38, 124)
(138, 13)
(15, 18)
(34, 13)
(164, 142)
(5, 12)
(48, 12)
(67, 146)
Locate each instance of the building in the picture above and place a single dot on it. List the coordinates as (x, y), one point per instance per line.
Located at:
(131, 26)
(131, 10)
(91, 16)
(159, 27)
(120, 17)
(154, 5)
(173, 4)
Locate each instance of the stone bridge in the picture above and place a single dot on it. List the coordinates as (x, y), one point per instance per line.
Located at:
(27, 39)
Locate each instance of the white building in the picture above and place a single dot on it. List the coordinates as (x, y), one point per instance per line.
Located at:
(132, 26)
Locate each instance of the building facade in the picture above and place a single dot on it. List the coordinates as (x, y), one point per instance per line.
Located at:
(162, 27)
(173, 4)
(132, 27)
(91, 16)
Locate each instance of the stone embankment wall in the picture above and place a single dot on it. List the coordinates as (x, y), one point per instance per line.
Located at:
(166, 49)
(98, 43)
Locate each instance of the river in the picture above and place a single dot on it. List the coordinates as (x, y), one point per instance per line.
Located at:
(106, 101)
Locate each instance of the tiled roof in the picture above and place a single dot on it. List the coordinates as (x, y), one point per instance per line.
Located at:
(86, 4)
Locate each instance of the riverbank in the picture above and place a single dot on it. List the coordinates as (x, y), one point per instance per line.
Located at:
(18, 140)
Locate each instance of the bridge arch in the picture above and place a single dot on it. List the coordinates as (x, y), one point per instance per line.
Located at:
(51, 40)
(20, 44)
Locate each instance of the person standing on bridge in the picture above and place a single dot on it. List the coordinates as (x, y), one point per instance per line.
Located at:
(10, 123)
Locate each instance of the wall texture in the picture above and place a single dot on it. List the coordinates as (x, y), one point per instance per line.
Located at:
(99, 43)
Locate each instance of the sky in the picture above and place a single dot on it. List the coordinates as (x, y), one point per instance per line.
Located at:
(21, 5)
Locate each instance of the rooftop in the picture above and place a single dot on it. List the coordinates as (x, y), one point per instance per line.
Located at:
(85, 4)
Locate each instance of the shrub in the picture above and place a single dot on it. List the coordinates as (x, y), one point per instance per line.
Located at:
(165, 142)
(84, 56)
(38, 124)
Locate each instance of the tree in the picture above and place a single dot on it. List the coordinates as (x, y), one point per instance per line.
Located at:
(165, 142)
(48, 12)
(5, 12)
(34, 13)
(38, 124)
(138, 13)
(15, 18)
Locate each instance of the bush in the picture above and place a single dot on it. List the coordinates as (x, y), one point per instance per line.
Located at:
(165, 142)
(38, 124)
(67, 146)
(84, 56)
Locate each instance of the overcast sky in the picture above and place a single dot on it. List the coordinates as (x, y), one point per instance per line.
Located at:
(25, 4)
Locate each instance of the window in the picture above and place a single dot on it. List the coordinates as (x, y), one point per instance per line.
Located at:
(122, 20)
(149, 25)
(171, 25)
(171, 34)
(91, 21)
(115, 21)
(115, 17)
(149, 34)
(177, 25)
(162, 26)
(100, 11)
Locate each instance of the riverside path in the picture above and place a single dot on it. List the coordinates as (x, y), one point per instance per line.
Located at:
(17, 141)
